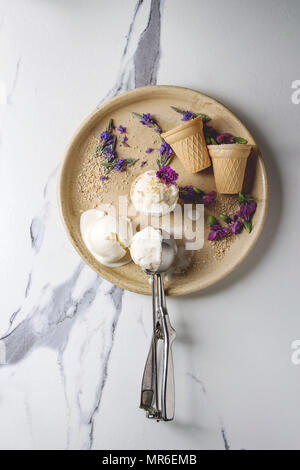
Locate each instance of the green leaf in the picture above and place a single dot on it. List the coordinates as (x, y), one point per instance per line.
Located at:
(198, 191)
(243, 198)
(248, 225)
(213, 141)
(109, 125)
(114, 142)
(177, 110)
(205, 118)
(131, 161)
(212, 221)
(156, 126)
(166, 163)
(136, 115)
(225, 218)
(99, 150)
(240, 140)
(108, 166)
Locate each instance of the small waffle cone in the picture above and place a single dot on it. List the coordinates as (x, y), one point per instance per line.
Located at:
(229, 164)
(189, 145)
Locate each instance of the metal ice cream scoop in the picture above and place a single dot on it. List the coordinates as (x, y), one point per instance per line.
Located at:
(160, 407)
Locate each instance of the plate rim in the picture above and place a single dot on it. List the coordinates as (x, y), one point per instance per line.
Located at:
(88, 121)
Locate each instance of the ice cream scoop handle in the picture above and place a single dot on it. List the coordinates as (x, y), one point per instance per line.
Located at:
(149, 395)
(168, 385)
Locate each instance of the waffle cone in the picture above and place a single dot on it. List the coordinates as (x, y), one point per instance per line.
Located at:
(189, 145)
(229, 164)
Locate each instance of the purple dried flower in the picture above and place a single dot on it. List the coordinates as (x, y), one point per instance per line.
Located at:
(209, 198)
(147, 119)
(236, 226)
(165, 154)
(157, 129)
(124, 140)
(225, 138)
(109, 153)
(246, 210)
(120, 164)
(187, 116)
(106, 137)
(167, 175)
(191, 195)
(165, 149)
(103, 178)
(149, 150)
(143, 163)
(187, 194)
(121, 129)
(217, 232)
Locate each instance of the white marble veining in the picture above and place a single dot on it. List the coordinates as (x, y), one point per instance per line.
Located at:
(75, 345)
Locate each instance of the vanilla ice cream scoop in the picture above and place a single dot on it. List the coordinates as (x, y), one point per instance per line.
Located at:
(149, 195)
(106, 237)
(146, 248)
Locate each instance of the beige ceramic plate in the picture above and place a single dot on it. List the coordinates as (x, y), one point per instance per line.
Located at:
(79, 187)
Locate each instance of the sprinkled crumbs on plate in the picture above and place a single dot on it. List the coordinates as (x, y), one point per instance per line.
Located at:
(223, 204)
(91, 172)
(221, 247)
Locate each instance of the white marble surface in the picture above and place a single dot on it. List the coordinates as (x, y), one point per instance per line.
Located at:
(76, 345)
